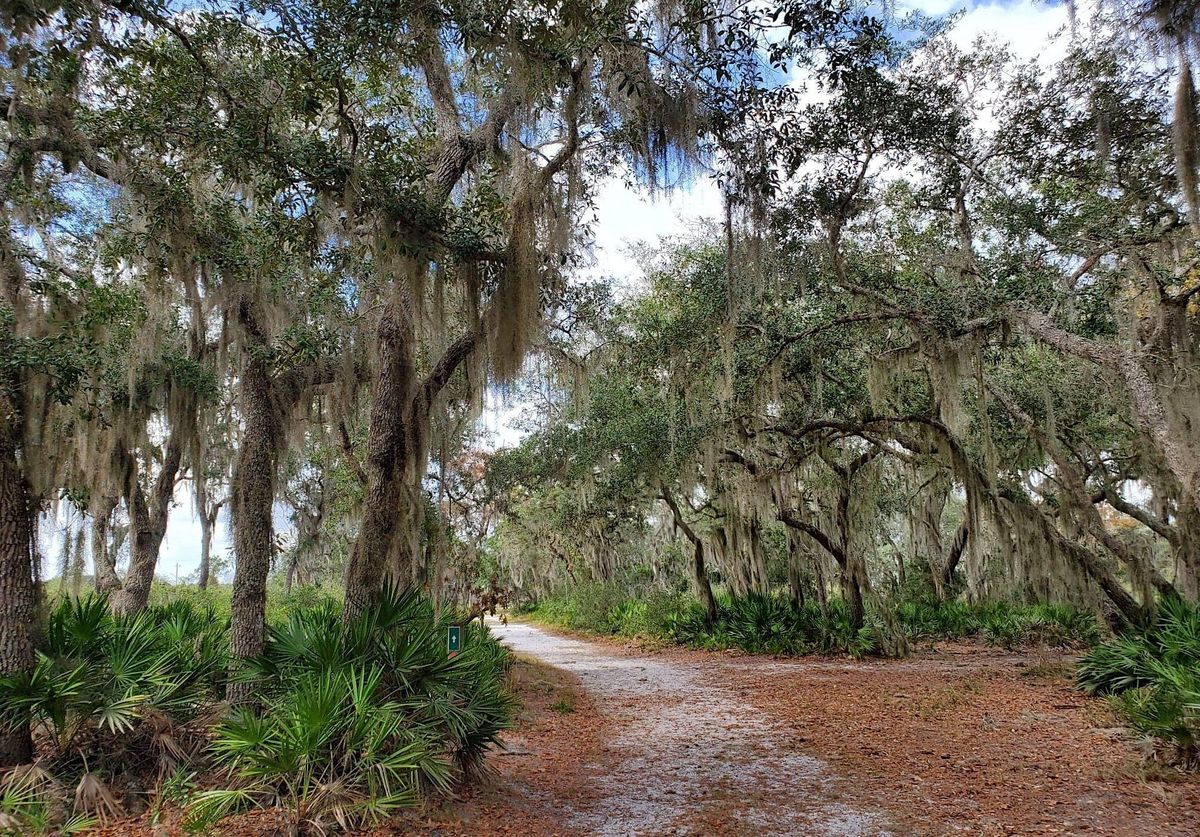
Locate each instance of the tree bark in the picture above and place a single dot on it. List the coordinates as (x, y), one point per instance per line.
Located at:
(1186, 552)
(400, 413)
(699, 572)
(1178, 450)
(208, 513)
(148, 525)
(253, 529)
(1126, 605)
(854, 573)
(290, 576)
(400, 407)
(206, 528)
(18, 589)
(790, 520)
(77, 564)
(927, 544)
(795, 571)
(104, 559)
(957, 547)
(389, 448)
(1075, 490)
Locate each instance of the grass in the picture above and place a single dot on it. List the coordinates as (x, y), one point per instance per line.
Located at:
(563, 706)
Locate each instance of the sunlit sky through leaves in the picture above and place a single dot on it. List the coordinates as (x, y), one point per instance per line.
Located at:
(624, 218)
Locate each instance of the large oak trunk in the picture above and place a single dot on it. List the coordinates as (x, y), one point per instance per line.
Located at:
(253, 497)
(18, 591)
(389, 449)
(1186, 550)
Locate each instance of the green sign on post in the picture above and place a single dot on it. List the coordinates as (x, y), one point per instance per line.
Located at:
(453, 639)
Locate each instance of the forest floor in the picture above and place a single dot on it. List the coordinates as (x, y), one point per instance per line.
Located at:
(619, 738)
(623, 739)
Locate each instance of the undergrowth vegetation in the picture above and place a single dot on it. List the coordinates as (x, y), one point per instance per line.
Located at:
(772, 624)
(348, 721)
(1152, 678)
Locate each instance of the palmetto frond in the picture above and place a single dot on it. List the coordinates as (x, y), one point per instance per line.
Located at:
(359, 719)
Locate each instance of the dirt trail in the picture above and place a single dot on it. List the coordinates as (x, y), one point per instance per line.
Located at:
(957, 740)
(681, 749)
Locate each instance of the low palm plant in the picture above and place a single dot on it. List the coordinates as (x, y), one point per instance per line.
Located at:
(114, 684)
(360, 719)
(113, 695)
(331, 748)
(30, 803)
(1153, 677)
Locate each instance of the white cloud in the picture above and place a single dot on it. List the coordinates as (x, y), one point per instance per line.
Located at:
(1029, 28)
(934, 8)
(626, 216)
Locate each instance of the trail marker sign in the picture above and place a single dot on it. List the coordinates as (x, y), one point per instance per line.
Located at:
(453, 639)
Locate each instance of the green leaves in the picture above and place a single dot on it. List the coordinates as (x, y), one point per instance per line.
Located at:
(96, 672)
(1153, 677)
(360, 719)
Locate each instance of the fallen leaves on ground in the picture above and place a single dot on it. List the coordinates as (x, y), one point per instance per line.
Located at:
(959, 740)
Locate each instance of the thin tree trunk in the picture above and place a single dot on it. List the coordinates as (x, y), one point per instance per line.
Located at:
(826, 543)
(18, 589)
(209, 512)
(853, 574)
(148, 524)
(1125, 604)
(104, 558)
(957, 547)
(1073, 484)
(77, 564)
(822, 589)
(699, 571)
(927, 536)
(795, 571)
(206, 529)
(758, 580)
(290, 577)
(253, 530)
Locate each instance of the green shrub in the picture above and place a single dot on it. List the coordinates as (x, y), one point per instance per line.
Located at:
(999, 623)
(216, 597)
(761, 623)
(360, 719)
(108, 696)
(597, 607)
(107, 686)
(594, 604)
(355, 720)
(770, 624)
(930, 618)
(1153, 677)
(31, 802)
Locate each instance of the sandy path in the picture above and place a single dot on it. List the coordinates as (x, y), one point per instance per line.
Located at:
(680, 749)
